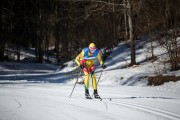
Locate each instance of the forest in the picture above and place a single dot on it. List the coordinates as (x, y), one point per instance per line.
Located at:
(64, 27)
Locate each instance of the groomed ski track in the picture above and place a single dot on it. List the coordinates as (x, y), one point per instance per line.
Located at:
(51, 101)
(148, 109)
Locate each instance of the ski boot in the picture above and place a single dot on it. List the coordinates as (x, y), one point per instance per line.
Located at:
(87, 96)
(96, 96)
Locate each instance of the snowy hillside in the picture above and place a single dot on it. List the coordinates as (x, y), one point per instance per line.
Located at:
(117, 72)
(30, 91)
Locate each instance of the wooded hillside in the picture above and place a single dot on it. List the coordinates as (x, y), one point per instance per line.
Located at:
(69, 25)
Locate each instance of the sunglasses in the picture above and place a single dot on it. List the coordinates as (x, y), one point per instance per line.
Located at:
(92, 49)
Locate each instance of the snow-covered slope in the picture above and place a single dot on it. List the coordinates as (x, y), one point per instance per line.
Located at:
(39, 92)
(117, 72)
(44, 101)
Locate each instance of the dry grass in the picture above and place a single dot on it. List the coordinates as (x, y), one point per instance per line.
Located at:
(159, 80)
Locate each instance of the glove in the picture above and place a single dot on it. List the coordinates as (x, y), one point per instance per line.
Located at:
(103, 66)
(82, 66)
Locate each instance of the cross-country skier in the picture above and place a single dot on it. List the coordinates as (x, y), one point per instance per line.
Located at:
(86, 61)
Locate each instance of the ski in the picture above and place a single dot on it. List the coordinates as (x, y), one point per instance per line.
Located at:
(107, 99)
(89, 98)
(100, 99)
(96, 99)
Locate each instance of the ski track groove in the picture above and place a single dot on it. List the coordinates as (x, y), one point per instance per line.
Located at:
(160, 112)
(19, 104)
(85, 108)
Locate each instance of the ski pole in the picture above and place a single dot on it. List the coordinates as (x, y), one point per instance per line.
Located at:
(58, 68)
(99, 76)
(75, 83)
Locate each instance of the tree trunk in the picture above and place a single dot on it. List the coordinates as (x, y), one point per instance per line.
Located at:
(131, 33)
(2, 45)
(57, 41)
(125, 20)
(41, 37)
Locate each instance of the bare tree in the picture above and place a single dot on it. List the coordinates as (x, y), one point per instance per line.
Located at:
(131, 34)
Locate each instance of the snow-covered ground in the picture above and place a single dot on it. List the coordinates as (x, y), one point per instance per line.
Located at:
(44, 101)
(37, 91)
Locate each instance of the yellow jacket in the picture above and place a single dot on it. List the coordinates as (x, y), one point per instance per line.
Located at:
(90, 61)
